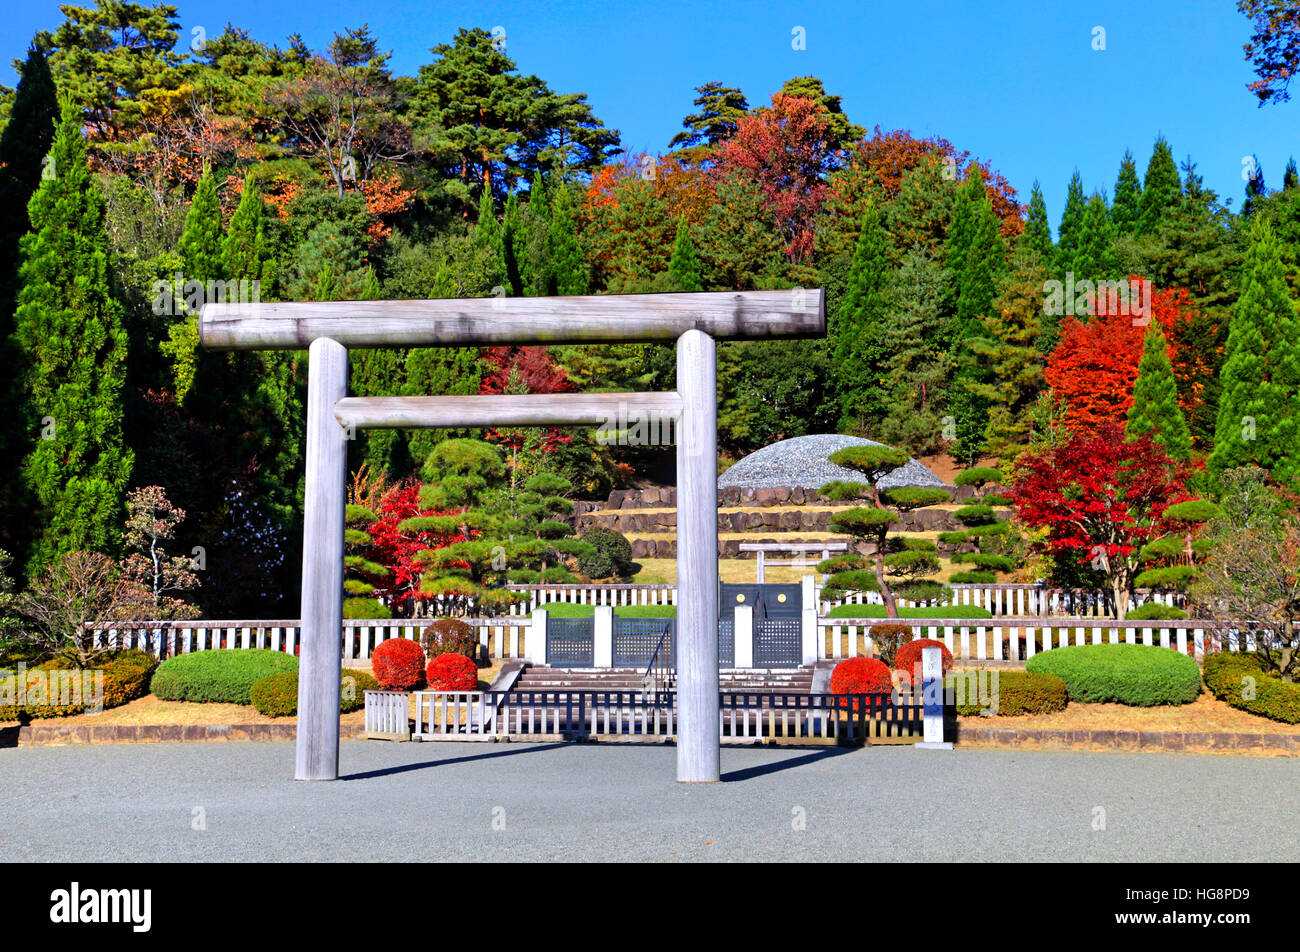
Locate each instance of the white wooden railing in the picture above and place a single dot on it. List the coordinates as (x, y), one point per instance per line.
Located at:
(1013, 639)
(504, 637)
(612, 594)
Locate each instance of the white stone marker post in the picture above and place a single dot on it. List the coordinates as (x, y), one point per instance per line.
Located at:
(320, 654)
(697, 559)
(932, 695)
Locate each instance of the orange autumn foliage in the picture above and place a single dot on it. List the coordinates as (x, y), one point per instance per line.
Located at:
(1095, 365)
(385, 197)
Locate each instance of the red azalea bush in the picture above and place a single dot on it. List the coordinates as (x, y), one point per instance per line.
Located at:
(398, 664)
(861, 676)
(909, 655)
(452, 672)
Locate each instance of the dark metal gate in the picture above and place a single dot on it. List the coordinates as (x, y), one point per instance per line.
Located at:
(778, 622)
(571, 642)
(635, 640)
(778, 643)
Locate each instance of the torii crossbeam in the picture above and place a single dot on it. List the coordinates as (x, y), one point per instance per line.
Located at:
(694, 320)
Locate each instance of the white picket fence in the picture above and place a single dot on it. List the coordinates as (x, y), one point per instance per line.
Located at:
(611, 594)
(1014, 639)
(503, 637)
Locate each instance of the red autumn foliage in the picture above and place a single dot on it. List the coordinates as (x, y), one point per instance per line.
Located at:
(785, 150)
(889, 156)
(396, 550)
(524, 370)
(1095, 364)
(452, 672)
(398, 664)
(1102, 497)
(861, 676)
(908, 657)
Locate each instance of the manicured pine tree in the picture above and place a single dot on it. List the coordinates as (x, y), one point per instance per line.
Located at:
(1037, 236)
(568, 265)
(1128, 197)
(1068, 234)
(1260, 378)
(684, 266)
(856, 336)
(1155, 400)
(69, 328)
(1160, 188)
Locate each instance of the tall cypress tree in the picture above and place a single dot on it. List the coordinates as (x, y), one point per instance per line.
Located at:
(24, 144)
(244, 249)
(69, 326)
(1068, 235)
(509, 246)
(1290, 178)
(568, 265)
(1260, 378)
(684, 266)
(377, 372)
(1155, 407)
(1128, 197)
(1095, 259)
(200, 244)
(1037, 236)
(1160, 188)
(857, 333)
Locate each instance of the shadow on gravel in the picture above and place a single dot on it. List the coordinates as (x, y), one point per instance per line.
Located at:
(749, 773)
(404, 768)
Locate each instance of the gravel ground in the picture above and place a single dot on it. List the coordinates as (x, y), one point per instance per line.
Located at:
(803, 461)
(531, 802)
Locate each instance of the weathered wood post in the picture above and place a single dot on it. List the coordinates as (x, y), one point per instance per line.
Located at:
(697, 559)
(320, 657)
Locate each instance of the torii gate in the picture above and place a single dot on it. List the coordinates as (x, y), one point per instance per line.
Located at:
(694, 320)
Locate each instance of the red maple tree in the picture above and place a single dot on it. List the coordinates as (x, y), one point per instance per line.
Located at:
(396, 550)
(1095, 364)
(785, 149)
(1102, 497)
(524, 370)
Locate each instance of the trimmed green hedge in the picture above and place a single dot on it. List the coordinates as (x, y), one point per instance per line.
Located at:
(570, 610)
(1139, 675)
(125, 678)
(219, 676)
(1225, 674)
(276, 695)
(932, 611)
(1154, 611)
(1018, 693)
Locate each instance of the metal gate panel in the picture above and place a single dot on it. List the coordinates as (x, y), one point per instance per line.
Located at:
(726, 643)
(778, 643)
(635, 640)
(570, 642)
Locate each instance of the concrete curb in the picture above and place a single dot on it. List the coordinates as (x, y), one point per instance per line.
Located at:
(45, 735)
(1285, 745)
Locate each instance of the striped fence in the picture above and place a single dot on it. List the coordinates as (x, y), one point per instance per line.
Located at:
(1014, 639)
(504, 637)
(612, 594)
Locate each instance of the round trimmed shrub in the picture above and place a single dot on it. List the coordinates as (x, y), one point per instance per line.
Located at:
(861, 676)
(125, 677)
(276, 695)
(909, 655)
(1017, 693)
(365, 608)
(1154, 611)
(610, 555)
(888, 638)
(1139, 675)
(452, 672)
(217, 676)
(398, 664)
(449, 636)
(1225, 676)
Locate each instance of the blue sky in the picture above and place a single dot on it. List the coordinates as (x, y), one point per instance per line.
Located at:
(1018, 84)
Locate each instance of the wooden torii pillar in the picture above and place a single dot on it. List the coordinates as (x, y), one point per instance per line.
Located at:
(328, 329)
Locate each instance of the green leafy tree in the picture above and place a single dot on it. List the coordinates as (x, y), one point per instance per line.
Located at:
(568, 266)
(989, 535)
(1155, 400)
(1261, 373)
(1069, 235)
(1037, 236)
(840, 133)
(538, 535)
(719, 108)
(739, 244)
(362, 572)
(857, 335)
(1095, 259)
(69, 326)
(1128, 197)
